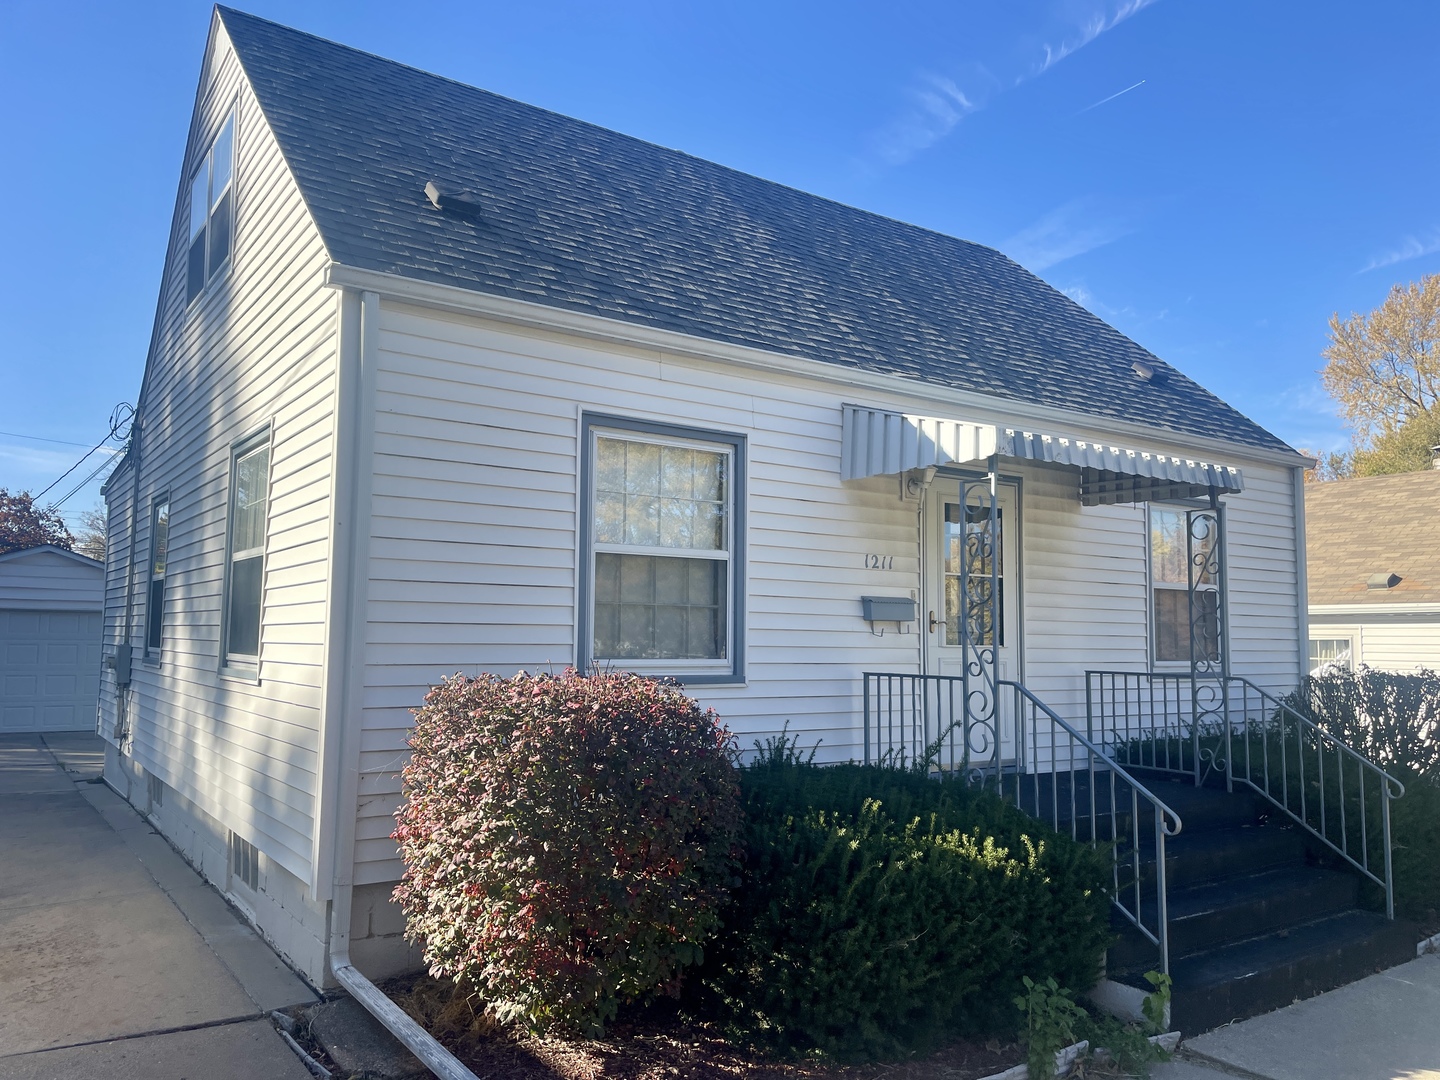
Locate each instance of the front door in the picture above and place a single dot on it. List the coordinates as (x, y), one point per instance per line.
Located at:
(956, 523)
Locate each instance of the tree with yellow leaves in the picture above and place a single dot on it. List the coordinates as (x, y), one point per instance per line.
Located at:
(1384, 371)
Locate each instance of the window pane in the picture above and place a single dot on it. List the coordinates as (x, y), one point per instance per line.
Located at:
(242, 636)
(658, 608)
(1329, 653)
(195, 268)
(160, 540)
(1172, 624)
(222, 156)
(199, 199)
(220, 234)
(642, 468)
(1169, 553)
(609, 465)
(155, 615)
(677, 472)
(248, 506)
(966, 530)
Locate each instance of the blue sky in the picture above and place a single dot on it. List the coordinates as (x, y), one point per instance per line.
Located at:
(1215, 178)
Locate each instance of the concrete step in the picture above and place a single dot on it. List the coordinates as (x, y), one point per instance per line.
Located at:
(1214, 914)
(1193, 858)
(1254, 976)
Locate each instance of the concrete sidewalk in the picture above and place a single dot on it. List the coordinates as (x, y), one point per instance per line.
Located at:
(1385, 1027)
(116, 959)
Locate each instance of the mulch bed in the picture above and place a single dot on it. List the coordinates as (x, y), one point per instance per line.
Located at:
(658, 1044)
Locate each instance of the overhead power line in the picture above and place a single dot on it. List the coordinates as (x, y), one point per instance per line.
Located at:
(40, 438)
(120, 418)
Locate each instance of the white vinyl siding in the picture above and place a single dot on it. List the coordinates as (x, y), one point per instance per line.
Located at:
(474, 553)
(1392, 641)
(257, 348)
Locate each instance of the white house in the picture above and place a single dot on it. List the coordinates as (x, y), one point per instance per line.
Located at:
(443, 382)
(1373, 551)
(51, 603)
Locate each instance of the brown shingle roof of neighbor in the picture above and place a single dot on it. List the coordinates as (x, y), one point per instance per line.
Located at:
(572, 216)
(1376, 525)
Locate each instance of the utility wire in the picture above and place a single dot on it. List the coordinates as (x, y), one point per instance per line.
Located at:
(96, 472)
(120, 417)
(41, 438)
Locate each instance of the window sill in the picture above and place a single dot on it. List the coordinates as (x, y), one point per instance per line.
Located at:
(236, 673)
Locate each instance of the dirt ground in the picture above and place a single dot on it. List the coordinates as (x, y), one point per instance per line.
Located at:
(656, 1044)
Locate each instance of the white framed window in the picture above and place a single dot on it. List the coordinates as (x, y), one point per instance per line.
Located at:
(1331, 652)
(212, 212)
(245, 550)
(159, 558)
(1170, 552)
(662, 564)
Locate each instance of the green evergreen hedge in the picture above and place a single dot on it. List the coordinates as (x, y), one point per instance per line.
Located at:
(881, 911)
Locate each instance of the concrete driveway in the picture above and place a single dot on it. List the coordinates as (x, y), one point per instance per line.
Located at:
(116, 959)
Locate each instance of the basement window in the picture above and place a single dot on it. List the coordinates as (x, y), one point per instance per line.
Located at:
(212, 211)
(245, 863)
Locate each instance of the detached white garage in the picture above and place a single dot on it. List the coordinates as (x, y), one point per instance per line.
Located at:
(51, 607)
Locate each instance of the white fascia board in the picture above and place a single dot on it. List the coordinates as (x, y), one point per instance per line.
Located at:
(1341, 612)
(544, 317)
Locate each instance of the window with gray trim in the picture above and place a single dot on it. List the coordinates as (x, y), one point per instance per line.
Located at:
(159, 557)
(1170, 589)
(661, 569)
(245, 554)
(212, 212)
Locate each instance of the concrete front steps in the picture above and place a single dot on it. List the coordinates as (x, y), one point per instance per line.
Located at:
(1255, 922)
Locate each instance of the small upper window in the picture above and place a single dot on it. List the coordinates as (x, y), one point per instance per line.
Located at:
(159, 550)
(211, 212)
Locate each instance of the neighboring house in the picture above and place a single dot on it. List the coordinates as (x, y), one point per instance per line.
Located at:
(1373, 551)
(444, 382)
(51, 606)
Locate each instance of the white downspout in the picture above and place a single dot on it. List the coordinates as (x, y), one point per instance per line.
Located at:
(340, 790)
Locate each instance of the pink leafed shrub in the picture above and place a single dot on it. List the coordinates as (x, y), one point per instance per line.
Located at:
(568, 840)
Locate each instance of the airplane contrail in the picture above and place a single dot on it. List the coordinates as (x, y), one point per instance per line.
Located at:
(1112, 97)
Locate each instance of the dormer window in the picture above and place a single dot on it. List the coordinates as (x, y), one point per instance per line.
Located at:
(211, 212)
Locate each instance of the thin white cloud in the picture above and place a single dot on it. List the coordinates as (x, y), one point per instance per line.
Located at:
(1092, 28)
(1411, 247)
(938, 104)
(1063, 233)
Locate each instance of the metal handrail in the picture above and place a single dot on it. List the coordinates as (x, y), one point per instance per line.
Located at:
(1149, 730)
(1035, 759)
(1390, 787)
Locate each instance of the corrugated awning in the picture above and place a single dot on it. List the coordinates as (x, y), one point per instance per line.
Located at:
(1114, 474)
(878, 442)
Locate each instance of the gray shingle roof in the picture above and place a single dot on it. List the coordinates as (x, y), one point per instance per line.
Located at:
(588, 220)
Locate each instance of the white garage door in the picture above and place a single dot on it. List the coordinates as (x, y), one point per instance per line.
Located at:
(49, 670)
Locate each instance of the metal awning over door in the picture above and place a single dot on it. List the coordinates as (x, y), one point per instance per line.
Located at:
(881, 442)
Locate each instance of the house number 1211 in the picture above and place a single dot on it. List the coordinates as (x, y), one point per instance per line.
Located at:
(879, 562)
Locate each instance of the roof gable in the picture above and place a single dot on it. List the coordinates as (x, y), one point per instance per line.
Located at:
(573, 216)
(47, 552)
